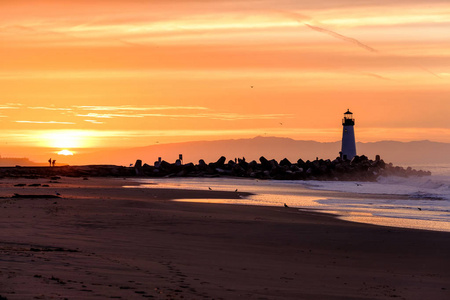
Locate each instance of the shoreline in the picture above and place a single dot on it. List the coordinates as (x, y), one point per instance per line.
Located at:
(100, 240)
(348, 205)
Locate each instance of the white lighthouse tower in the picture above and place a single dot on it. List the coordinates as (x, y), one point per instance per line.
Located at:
(348, 150)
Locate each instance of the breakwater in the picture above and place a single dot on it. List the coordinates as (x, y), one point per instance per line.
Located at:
(359, 168)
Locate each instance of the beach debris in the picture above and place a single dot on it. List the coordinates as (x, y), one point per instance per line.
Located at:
(20, 184)
(209, 188)
(419, 208)
(57, 194)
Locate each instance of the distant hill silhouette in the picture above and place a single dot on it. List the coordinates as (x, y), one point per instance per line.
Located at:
(12, 161)
(417, 152)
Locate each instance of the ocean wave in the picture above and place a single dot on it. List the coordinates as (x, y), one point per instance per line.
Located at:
(428, 187)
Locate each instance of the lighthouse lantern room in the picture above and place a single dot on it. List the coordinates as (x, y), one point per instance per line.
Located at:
(348, 150)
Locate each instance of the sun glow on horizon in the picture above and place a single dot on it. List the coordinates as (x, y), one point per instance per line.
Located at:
(65, 152)
(65, 139)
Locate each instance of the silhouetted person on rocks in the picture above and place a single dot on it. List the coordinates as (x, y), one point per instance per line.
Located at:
(53, 162)
(50, 162)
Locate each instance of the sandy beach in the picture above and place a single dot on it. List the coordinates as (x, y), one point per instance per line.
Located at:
(102, 241)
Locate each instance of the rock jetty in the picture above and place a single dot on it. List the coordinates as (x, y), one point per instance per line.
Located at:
(360, 168)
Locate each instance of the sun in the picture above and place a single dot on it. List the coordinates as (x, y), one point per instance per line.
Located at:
(65, 152)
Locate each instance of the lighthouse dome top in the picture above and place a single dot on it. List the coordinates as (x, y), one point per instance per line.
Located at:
(348, 119)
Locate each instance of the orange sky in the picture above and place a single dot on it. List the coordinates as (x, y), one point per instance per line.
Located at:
(82, 74)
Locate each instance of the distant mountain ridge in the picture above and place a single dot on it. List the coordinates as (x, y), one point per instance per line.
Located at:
(417, 152)
(13, 161)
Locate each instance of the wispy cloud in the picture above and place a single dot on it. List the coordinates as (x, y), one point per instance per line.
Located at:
(212, 116)
(136, 108)
(137, 112)
(45, 122)
(94, 121)
(109, 116)
(236, 117)
(10, 106)
(50, 108)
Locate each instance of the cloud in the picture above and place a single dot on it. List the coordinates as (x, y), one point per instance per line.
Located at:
(94, 121)
(136, 108)
(235, 117)
(11, 106)
(109, 116)
(225, 116)
(50, 108)
(45, 122)
(212, 116)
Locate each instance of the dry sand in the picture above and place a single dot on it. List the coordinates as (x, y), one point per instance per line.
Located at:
(101, 241)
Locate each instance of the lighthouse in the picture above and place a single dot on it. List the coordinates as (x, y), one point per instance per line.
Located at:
(348, 150)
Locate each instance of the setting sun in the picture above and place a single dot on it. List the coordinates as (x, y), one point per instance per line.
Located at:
(65, 152)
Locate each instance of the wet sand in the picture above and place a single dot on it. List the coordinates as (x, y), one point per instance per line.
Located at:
(101, 241)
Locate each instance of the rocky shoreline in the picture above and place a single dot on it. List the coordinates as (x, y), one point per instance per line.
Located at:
(360, 168)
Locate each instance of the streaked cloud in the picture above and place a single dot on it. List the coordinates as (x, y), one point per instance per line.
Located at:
(94, 121)
(212, 116)
(226, 116)
(10, 106)
(50, 108)
(109, 116)
(137, 108)
(45, 122)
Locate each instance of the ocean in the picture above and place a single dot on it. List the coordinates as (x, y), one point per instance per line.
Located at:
(413, 202)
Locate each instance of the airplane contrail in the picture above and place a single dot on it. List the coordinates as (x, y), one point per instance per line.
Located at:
(376, 76)
(302, 19)
(341, 37)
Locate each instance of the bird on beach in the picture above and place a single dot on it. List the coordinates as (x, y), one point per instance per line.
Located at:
(285, 205)
(210, 188)
(419, 208)
(236, 190)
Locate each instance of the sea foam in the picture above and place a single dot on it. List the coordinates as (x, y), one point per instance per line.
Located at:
(427, 187)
